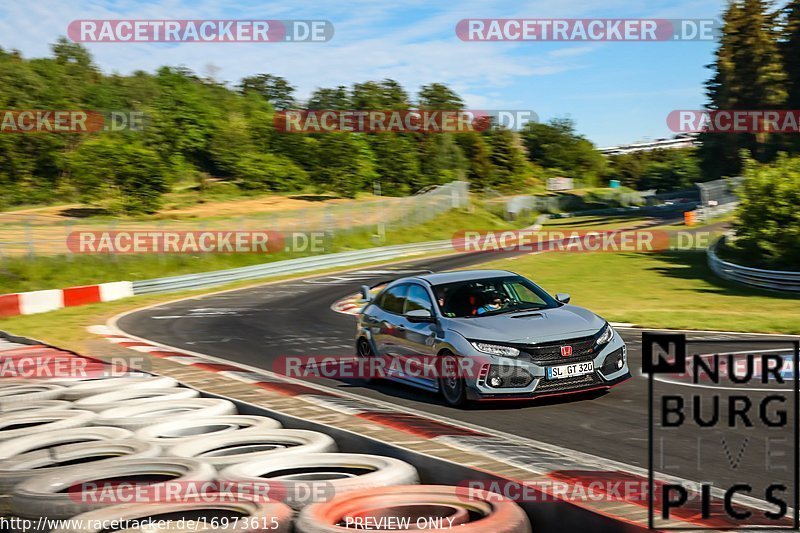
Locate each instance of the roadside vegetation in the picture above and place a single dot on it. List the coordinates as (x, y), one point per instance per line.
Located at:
(767, 228)
(197, 129)
(197, 132)
(205, 143)
(21, 273)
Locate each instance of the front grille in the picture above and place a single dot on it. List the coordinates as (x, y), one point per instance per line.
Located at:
(568, 384)
(513, 376)
(583, 349)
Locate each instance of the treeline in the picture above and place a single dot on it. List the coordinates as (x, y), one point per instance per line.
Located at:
(197, 128)
(756, 68)
(664, 170)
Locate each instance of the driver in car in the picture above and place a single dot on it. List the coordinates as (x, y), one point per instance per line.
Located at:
(494, 301)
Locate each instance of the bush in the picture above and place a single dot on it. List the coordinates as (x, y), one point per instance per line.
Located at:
(119, 170)
(268, 172)
(768, 225)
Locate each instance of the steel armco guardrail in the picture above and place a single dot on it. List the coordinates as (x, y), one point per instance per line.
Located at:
(289, 266)
(776, 280)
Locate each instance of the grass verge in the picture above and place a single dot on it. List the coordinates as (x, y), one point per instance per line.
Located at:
(674, 289)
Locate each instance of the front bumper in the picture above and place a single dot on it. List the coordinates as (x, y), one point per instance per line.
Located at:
(526, 379)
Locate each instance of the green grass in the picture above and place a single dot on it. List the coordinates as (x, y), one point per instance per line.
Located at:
(666, 290)
(19, 274)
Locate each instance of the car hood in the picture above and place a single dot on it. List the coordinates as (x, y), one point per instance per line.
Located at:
(529, 327)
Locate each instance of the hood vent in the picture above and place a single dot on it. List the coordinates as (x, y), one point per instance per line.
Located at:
(530, 315)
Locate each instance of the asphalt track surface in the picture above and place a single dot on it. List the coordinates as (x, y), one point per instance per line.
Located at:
(255, 326)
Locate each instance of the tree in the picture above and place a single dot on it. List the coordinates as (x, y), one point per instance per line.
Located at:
(396, 163)
(441, 159)
(322, 99)
(274, 89)
(507, 159)
(119, 169)
(480, 171)
(183, 117)
(790, 51)
(679, 169)
(384, 95)
(747, 75)
(790, 55)
(343, 163)
(665, 170)
(268, 172)
(768, 221)
(557, 146)
(439, 97)
(200, 129)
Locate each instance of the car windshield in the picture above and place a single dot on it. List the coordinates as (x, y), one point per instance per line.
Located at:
(491, 296)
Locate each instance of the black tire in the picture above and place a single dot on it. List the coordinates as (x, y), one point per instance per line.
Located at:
(364, 350)
(453, 389)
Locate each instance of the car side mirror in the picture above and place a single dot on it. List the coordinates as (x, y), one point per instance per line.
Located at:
(419, 315)
(365, 294)
(563, 297)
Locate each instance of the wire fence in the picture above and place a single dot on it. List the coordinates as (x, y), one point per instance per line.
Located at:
(36, 234)
(718, 197)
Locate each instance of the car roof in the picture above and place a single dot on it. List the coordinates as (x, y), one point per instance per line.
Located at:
(440, 278)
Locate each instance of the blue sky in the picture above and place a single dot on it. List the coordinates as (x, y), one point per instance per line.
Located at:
(616, 92)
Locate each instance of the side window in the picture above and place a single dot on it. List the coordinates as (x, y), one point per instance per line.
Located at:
(393, 299)
(418, 299)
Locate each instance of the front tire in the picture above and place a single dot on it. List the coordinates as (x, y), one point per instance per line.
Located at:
(452, 387)
(364, 349)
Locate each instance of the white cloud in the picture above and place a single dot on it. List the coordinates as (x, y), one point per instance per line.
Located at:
(371, 42)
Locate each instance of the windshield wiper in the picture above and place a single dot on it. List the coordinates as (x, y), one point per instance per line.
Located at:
(514, 310)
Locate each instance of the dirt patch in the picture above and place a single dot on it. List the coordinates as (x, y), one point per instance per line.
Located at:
(249, 206)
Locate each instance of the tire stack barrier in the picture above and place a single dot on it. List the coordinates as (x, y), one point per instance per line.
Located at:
(61, 439)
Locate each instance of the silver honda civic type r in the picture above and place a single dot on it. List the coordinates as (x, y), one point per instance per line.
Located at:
(488, 335)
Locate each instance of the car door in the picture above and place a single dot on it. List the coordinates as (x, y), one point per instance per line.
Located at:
(418, 339)
(390, 321)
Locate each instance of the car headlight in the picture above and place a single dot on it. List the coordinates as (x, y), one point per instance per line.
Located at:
(607, 335)
(494, 349)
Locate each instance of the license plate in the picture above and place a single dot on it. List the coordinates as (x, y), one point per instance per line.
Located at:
(570, 371)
